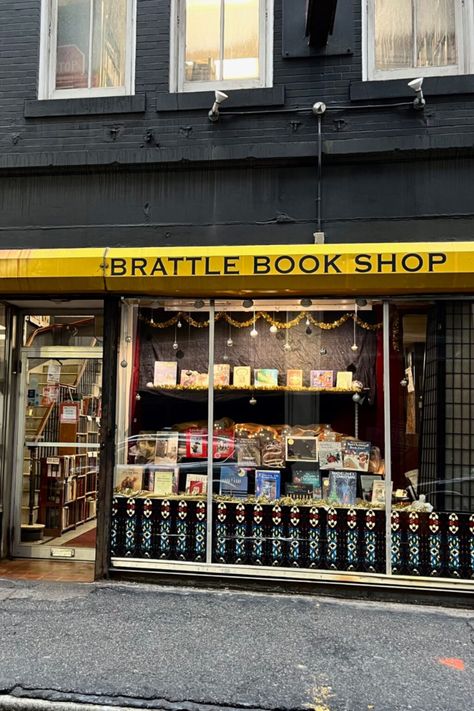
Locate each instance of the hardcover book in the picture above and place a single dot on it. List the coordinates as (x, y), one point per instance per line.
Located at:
(196, 443)
(267, 484)
(166, 373)
(330, 455)
(294, 378)
(189, 378)
(242, 375)
(344, 380)
(165, 481)
(356, 455)
(299, 491)
(166, 451)
(233, 482)
(248, 452)
(196, 484)
(342, 488)
(310, 476)
(378, 493)
(223, 444)
(366, 485)
(128, 478)
(221, 374)
(323, 379)
(301, 449)
(266, 377)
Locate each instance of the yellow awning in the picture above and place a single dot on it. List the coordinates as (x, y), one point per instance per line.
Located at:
(320, 270)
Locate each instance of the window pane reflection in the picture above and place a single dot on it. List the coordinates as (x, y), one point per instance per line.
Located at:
(436, 33)
(72, 58)
(203, 22)
(241, 39)
(109, 43)
(393, 34)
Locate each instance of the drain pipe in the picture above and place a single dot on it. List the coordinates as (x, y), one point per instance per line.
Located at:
(319, 109)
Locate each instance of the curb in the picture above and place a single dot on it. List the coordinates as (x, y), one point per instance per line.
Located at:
(15, 703)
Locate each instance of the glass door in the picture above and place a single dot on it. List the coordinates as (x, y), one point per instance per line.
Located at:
(57, 457)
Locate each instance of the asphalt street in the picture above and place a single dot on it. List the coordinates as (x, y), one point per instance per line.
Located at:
(144, 646)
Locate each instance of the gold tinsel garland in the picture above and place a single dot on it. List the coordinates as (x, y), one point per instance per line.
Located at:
(281, 325)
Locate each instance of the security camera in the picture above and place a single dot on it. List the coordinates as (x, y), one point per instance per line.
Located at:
(219, 98)
(419, 102)
(319, 108)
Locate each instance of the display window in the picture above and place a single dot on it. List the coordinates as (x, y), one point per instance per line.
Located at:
(332, 436)
(432, 438)
(251, 434)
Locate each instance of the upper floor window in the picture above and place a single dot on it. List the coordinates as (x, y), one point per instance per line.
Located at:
(408, 38)
(222, 44)
(87, 48)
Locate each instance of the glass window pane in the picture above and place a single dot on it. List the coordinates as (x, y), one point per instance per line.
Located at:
(203, 30)
(436, 33)
(393, 34)
(72, 55)
(109, 43)
(241, 39)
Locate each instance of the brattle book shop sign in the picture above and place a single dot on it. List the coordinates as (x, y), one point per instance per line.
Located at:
(261, 265)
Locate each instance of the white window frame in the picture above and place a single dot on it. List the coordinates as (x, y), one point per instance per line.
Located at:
(464, 42)
(178, 53)
(47, 72)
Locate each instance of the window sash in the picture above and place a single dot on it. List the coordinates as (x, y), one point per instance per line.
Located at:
(178, 52)
(463, 23)
(48, 57)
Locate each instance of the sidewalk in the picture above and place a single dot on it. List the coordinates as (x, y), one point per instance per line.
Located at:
(143, 646)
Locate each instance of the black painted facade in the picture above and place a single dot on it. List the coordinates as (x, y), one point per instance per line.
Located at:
(152, 170)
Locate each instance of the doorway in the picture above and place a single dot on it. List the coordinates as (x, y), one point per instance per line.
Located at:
(57, 432)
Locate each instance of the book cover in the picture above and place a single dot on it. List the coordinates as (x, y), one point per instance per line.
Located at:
(221, 374)
(356, 455)
(196, 443)
(299, 491)
(342, 488)
(242, 374)
(267, 484)
(323, 379)
(248, 452)
(308, 476)
(196, 484)
(378, 493)
(301, 449)
(344, 380)
(189, 378)
(165, 373)
(330, 455)
(166, 451)
(165, 481)
(266, 377)
(223, 444)
(294, 378)
(366, 485)
(128, 478)
(234, 482)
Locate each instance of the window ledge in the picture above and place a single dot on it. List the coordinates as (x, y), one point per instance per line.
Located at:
(85, 107)
(397, 88)
(202, 100)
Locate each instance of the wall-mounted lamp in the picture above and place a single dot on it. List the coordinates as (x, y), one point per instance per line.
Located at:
(419, 102)
(214, 112)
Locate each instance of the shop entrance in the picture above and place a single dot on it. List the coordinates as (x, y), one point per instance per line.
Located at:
(57, 452)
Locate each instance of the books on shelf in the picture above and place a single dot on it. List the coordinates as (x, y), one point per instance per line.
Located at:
(248, 452)
(233, 481)
(165, 481)
(330, 455)
(165, 373)
(299, 491)
(294, 378)
(309, 475)
(301, 449)
(356, 455)
(166, 451)
(267, 483)
(342, 488)
(196, 484)
(196, 443)
(242, 375)
(266, 377)
(192, 378)
(366, 484)
(128, 478)
(344, 380)
(221, 374)
(378, 493)
(323, 379)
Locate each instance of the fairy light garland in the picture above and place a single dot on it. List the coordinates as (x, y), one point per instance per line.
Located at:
(280, 325)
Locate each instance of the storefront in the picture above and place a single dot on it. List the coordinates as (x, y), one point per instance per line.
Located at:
(301, 412)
